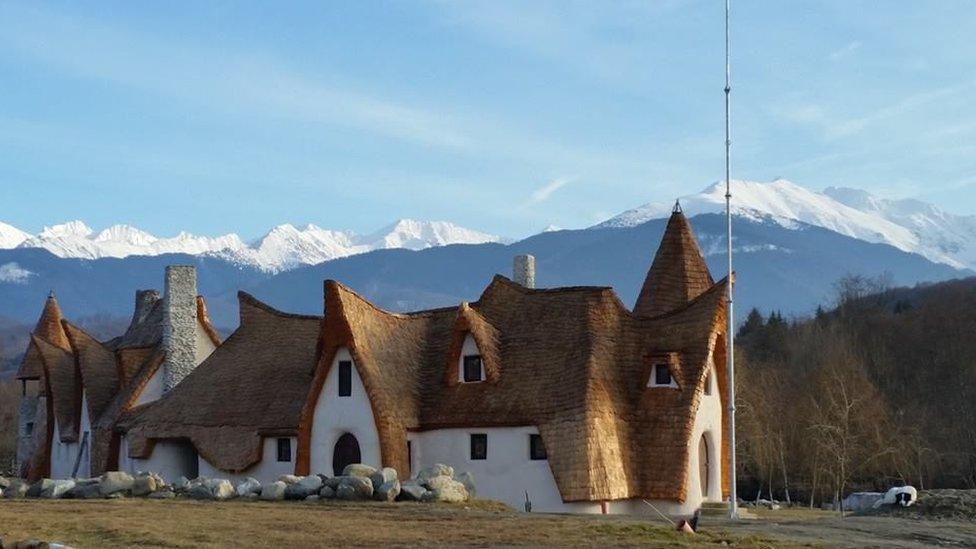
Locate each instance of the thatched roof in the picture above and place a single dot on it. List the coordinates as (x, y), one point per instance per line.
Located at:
(98, 367)
(253, 384)
(49, 329)
(63, 387)
(573, 361)
(678, 273)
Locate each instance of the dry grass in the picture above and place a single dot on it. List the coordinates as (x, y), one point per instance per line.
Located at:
(183, 523)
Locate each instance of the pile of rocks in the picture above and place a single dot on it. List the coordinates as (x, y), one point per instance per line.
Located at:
(358, 482)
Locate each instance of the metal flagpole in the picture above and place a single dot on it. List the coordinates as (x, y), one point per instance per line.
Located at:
(730, 320)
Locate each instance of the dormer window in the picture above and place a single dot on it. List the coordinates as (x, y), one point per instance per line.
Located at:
(474, 370)
(661, 376)
(471, 368)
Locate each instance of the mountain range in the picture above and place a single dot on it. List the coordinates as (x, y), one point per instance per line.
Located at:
(791, 246)
(283, 247)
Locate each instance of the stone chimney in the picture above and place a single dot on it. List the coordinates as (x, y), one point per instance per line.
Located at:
(179, 324)
(524, 270)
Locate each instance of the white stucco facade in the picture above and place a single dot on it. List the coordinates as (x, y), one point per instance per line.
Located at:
(506, 473)
(266, 470)
(64, 455)
(171, 459)
(335, 416)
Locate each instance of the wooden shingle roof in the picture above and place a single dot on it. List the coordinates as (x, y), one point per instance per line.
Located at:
(678, 273)
(49, 329)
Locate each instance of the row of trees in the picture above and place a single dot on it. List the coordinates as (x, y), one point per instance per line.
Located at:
(880, 390)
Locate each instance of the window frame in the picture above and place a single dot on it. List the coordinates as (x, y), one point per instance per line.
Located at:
(536, 444)
(655, 382)
(464, 368)
(345, 378)
(283, 443)
(474, 439)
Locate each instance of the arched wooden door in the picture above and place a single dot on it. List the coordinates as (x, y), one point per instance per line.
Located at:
(703, 465)
(346, 452)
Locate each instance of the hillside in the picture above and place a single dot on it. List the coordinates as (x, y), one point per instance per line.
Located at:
(880, 389)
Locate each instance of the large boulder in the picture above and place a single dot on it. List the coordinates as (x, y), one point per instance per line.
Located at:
(358, 470)
(467, 479)
(39, 487)
(144, 485)
(446, 489)
(85, 491)
(355, 488)
(220, 488)
(274, 491)
(181, 484)
(327, 492)
(382, 476)
(248, 486)
(435, 470)
(312, 482)
(388, 491)
(115, 482)
(333, 482)
(57, 489)
(290, 479)
(199, 491)
(16, 489)
(411, 491)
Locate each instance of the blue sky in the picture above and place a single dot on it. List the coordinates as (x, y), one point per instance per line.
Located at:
(219, 117)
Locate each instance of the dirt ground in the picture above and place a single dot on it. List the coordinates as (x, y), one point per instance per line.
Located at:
(184, 523)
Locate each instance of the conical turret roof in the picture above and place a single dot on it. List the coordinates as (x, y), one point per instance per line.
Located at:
(678, 273)
(49, 329)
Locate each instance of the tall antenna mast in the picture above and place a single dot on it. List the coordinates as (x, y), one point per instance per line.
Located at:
(730, 320)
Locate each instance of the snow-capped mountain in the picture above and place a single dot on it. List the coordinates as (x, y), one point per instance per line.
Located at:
(10, 236)
(911, 226)
(283, 247)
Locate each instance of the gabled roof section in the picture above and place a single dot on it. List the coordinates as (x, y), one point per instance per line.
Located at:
(146, 327)
(251, 385)
(678, 274)
(98, 367)
(49, 329)
(64, 387)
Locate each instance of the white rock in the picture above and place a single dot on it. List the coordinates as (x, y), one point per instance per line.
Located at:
(249, 485)
(290, 479)
(274, 491)
(114, 482)
(58, 488)
(358, 470)
(388, 491)
(435, 470)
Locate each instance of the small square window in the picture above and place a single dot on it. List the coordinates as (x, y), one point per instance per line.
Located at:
(284, 449)
(537, 450)
(345, 378)
(472, 368)
(29, 428)
(662, 374)
(479, 446)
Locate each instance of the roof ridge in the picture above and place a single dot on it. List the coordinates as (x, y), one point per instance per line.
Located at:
(255, 302)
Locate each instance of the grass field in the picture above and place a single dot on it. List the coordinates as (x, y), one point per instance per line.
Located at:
(184, 523)
(187, 523)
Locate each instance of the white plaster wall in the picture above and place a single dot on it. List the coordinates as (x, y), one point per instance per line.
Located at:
(153, 389)
(205, 345)
(266, 470)
(169, 458)
(708, 421)
(64, 455)
(335, 415)
(507, 473)
(469, 347)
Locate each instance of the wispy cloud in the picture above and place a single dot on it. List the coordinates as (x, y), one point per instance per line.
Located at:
(544, 192)
(13, 273)
(846, 51)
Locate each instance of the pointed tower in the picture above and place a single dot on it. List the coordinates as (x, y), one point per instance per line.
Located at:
(49, 329)
(678, 273)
